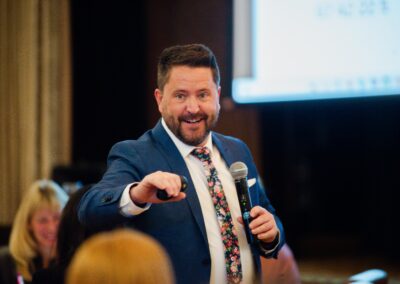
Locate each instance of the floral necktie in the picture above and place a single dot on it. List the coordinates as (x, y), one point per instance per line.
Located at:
(228, 232)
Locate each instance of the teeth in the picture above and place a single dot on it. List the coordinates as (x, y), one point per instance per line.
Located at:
(193, 120)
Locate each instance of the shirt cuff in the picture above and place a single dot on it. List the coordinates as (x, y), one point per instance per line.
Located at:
(268, 248)
(127, 207)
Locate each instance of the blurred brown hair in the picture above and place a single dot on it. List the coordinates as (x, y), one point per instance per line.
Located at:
(121, 256)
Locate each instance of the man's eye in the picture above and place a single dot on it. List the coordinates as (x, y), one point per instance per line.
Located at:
(203, 95)
(179, 96)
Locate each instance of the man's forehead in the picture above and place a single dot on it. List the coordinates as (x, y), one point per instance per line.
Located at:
(190, 69)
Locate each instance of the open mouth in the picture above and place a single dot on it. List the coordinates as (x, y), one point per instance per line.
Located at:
(192, 121)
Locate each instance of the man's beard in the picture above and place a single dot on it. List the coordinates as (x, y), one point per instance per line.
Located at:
(188, 138)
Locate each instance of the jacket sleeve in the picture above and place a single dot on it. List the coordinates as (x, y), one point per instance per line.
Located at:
(99, 207)
(271, 250)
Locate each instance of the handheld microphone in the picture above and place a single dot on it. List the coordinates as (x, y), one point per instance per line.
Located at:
(239, 173)
(163, 195)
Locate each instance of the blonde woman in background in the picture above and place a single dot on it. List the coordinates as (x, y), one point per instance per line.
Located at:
(122, 256)
(34, 233)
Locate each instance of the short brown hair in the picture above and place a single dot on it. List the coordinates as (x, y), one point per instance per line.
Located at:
(192, 55)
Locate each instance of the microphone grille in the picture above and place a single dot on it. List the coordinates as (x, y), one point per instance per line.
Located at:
(238, 170)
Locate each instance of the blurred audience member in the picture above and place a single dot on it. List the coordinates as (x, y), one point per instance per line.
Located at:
(119, 257)
(282, 270)
(33, 236)
(71, 233)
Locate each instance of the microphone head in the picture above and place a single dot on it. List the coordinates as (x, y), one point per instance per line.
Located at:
(238, 170)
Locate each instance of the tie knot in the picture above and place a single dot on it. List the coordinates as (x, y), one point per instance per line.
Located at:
(203, 154)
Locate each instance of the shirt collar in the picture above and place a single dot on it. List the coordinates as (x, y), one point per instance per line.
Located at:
(183, 148)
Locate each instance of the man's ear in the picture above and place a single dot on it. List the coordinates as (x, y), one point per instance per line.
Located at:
(158, 95)
(219, 98)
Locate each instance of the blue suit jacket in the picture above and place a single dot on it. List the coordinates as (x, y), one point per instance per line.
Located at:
(178, 226)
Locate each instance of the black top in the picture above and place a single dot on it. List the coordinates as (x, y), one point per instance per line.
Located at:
(8, 272)
(8, 269)
(53, 274)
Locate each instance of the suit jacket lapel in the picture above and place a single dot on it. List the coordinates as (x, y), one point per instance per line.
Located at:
(230, 156)
(225, 151)
(178, 166)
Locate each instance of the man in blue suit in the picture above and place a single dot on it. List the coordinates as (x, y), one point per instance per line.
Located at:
(206, 244)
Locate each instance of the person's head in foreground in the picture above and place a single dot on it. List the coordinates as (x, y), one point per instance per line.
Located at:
(119, 257)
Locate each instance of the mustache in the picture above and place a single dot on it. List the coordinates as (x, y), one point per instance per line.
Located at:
(197, 116)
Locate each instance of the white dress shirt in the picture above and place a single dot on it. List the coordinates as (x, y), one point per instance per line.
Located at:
(198, 175)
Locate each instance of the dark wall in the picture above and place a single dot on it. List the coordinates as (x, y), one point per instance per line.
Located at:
(109, 74)
(332, 167)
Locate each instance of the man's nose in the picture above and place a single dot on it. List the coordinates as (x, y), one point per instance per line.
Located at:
(192, 105)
